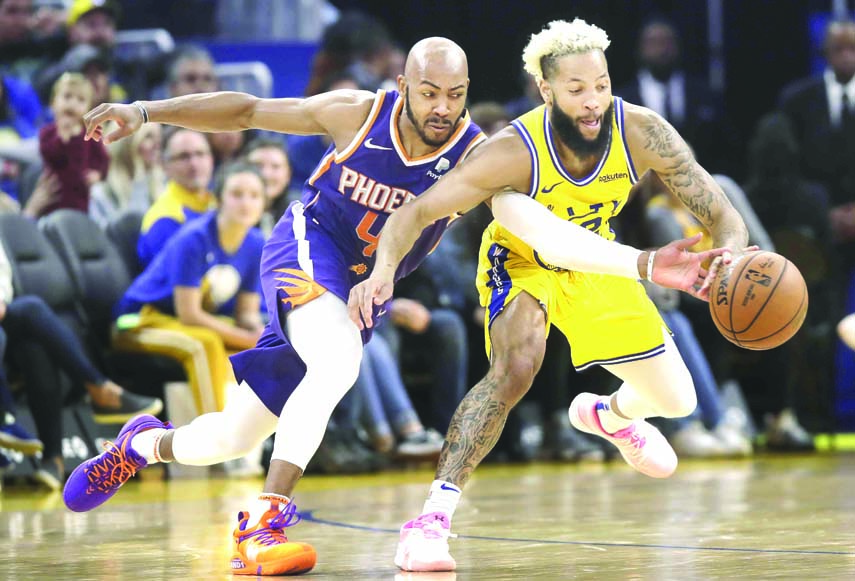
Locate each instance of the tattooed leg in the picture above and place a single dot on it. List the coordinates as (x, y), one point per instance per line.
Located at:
(518, 339)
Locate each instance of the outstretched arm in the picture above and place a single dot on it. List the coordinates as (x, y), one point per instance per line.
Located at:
(337, 113)
(570, 246)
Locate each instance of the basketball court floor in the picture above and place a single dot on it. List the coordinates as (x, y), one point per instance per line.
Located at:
(769, 517)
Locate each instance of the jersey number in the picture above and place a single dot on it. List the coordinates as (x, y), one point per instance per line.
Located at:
(363, 230)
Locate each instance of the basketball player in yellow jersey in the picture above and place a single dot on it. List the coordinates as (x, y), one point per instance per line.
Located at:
(576, 158)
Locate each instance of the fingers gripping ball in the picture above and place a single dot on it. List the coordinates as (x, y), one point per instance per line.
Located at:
(759, 301)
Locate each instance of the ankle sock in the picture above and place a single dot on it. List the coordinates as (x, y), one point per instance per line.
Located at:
(443, 497)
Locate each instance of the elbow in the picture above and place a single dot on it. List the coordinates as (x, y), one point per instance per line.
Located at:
(246, 114)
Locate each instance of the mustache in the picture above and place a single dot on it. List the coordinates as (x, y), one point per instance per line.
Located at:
(438, 121)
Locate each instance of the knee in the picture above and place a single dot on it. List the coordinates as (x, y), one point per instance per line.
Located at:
(680, 402)
(513, 375)
(31, 306)
(448, 324)
(339, 365)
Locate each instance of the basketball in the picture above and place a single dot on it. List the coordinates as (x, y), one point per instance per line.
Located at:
(759, 301)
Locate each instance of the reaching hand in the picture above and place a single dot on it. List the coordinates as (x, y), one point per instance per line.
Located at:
(128, 117)
(363, 297)
(675, 267)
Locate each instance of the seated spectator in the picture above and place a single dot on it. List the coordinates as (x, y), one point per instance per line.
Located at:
(189, 167)
(433, 339)
(389, 415)
(135, 178)
(23, 51)
(306, 151)
(77, 163)
(190, 71)
(271, 159)
(20, 114)
(49, 18)
(33, 331)
(91, 23)
(490, 116)
(200, 295)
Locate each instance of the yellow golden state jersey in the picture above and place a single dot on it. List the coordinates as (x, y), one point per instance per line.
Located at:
(590, 201)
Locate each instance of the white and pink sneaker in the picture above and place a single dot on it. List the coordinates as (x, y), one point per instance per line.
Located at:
(423, 545)
(641, 445)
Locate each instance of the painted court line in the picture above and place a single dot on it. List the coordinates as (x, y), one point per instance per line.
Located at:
(308, 516)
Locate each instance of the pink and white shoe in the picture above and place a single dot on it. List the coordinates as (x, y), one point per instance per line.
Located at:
(641, 445)
(423, 545)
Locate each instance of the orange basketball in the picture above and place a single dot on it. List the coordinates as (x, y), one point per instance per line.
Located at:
(759, 301)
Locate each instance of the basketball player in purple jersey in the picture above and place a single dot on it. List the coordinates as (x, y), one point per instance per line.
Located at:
(387, 149)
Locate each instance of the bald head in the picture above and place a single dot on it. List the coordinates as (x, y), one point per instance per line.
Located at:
(434, 86)
(840, 49)
(435, 55)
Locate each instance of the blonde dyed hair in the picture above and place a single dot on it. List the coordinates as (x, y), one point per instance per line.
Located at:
(559, 39)
(127, 167)
(73, 81)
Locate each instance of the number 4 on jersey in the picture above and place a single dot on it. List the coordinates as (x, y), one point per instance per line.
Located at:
(363, 230)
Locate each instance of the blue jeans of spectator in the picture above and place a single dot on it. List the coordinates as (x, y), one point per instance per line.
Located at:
(443, 349)
(710, 408)
(43, 343)
(387, 405)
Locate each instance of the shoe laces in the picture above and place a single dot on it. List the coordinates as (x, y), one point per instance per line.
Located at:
(432, 527)
(272, 534)
(112, 469)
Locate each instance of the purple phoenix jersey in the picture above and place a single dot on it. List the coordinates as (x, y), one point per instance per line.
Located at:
(326, 241)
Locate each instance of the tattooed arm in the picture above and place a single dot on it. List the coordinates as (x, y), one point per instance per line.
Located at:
(655, 145)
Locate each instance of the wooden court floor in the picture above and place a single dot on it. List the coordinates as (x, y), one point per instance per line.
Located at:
(765, 518)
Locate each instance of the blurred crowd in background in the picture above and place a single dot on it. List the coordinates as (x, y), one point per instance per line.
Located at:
(85, 230)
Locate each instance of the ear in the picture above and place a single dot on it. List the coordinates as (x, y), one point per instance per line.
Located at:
(545, 90)
(402, 84)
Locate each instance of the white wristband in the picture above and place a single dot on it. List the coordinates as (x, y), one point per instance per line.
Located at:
(650, 265)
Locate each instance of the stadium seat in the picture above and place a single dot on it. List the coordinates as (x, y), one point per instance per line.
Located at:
(253, 77)
(143, 45)
(100, 278)
(123, 232)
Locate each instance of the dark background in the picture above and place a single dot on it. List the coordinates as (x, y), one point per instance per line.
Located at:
(767, 42)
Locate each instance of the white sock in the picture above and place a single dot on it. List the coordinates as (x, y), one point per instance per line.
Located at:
(443, 497)
(146, 444)
(261, 505)
(610, 421)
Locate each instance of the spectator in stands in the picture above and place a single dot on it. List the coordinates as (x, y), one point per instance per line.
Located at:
(90, 23)
(821, 109)
(796, 212)
(271, 159)
(20, 114)
(306, 151)
(689, 103)
(49, 18)
(191, 70)
(77, 163)
(33, 331)
(189, 167)
(200, 296)
(135, 178)
(21, 52)
(226, 146)
(389, 415)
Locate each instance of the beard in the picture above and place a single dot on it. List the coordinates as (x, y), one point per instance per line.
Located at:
(420, 129)
(568, 132)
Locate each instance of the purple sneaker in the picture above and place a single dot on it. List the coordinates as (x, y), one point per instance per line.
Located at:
(95, 481)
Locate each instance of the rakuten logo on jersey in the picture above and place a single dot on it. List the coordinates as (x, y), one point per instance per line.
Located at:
(371, 194)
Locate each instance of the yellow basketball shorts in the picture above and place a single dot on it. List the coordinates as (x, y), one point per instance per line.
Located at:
(606, 319)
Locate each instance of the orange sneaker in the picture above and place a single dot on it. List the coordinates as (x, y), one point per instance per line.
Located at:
(265, 550)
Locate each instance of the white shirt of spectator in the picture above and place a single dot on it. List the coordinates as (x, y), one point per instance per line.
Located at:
(653, 95)
(835, 91)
